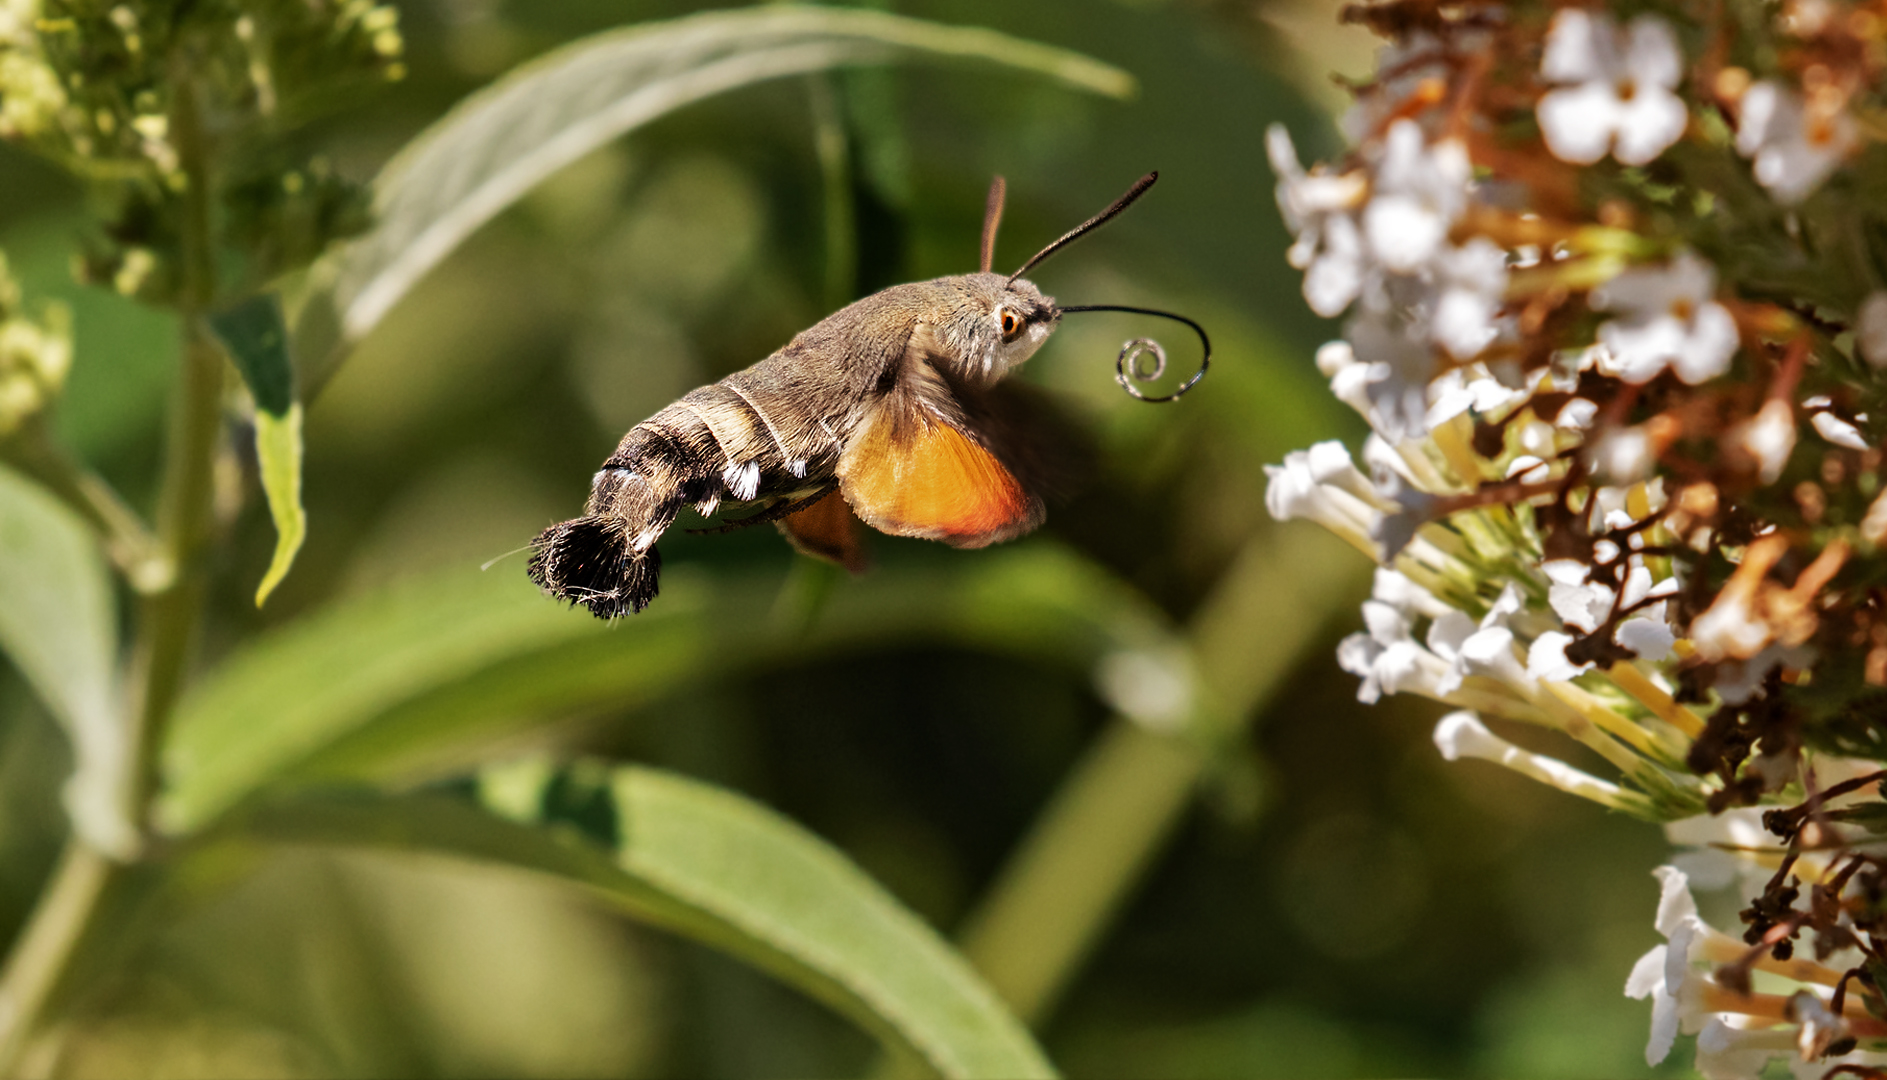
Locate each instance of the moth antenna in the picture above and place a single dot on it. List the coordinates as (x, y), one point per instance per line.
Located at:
(1140, 188)
(992, 220)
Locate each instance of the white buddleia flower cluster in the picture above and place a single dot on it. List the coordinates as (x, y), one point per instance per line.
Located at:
(1614, 308)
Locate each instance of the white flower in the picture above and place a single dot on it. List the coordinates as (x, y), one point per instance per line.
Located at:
(1870, 328)
(1648, 631)
(1732, 1053)
(1668, 317)
(1664, 974)
(1473, 386)
(1619, 97)
(1322, 485)
(1585, 605)
(1769, 437)
(1472, 281)
(1577, 415)
(1739, 680)
(1485, 650)
(1837, 431)
(1418, 192)
(1730, 628)
(1393, 531)
(1387, 658)
(1623, 455)
(1792, 151)
(1462, 735)
(1721, 849)
(1318, 208)
(1820, 1027)
(1648, 637)
(1546, 658)
(1874, 522)
(1349, 377)
(1378, 514)
(1397, 366)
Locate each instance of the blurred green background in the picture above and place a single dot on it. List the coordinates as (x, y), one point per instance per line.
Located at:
(1339, 902)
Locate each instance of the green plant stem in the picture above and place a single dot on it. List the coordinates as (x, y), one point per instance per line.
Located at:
(52, 935)
(1079, 863)
(835, 172)
(1083, 857)
(169, 616)
(64, 920)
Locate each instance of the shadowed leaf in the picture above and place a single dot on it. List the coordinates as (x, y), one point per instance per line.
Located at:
(57, 625)
(720, 869)
(418, 680)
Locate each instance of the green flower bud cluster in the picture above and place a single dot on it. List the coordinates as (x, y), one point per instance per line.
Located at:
(98, 87)
(34, 356)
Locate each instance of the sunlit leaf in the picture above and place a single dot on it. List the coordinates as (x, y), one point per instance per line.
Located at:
(419, 679)
(57, 626)
(255, 335)
(278, 452)
(721, 869)
(290, 694)
(499, 143)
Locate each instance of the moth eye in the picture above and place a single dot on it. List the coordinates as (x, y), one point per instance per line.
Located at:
(1011, 324)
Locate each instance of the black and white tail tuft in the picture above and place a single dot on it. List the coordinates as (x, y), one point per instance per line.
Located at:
(590, 561)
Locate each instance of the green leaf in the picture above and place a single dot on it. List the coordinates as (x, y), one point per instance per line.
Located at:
(416, 681)
(57, 625)
(292, 692)
(499, 143)
(278, 451)
(255, 335)
(720, 869)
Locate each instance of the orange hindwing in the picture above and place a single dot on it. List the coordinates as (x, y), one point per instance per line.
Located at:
(826, 530)
(923, 477)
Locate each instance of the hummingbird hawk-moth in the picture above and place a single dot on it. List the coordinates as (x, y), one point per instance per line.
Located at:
(891, 410)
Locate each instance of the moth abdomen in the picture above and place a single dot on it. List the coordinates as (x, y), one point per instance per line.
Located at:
(606, 560)
(592, 561)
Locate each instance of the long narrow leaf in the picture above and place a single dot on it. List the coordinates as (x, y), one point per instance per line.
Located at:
(255, 335)
(498, 144)
(278, 456)
(56, 624)
(721, 869)
(402, 683)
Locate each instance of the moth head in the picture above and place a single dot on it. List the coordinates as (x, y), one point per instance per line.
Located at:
(984, 324)
(990, 325)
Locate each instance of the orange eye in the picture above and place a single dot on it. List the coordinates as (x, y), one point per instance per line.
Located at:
(1010, 324)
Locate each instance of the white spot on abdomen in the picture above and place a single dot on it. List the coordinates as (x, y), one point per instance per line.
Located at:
(743, 481)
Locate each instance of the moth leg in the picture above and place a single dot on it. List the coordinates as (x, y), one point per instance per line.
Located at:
(772, 513)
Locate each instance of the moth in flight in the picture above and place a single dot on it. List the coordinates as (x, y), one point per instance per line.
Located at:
(891, 410)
